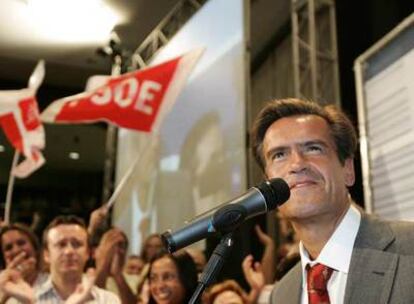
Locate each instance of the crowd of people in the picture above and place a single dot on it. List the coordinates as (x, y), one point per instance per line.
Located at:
(65, 267)
(336, 253)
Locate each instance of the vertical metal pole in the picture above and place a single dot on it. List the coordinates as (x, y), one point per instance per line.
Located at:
(334, 52)
(248, 119)
(363, 134)
(295, 49)
(312, 49)
(110, 145)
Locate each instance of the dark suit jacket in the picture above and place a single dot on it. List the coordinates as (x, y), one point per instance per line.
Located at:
(381, 269)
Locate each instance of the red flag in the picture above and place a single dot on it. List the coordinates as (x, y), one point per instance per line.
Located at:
(137, 100)
(20, 120)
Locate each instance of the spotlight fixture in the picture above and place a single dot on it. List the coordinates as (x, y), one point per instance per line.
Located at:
(113, 48)
(74, 155)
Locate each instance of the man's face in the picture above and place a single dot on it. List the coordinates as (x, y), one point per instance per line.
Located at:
(301, 150)
(165, 285)
(67, 249)
(14, 242)
(134, 266)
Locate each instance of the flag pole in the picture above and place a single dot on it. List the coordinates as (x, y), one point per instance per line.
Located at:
(10, 186)
(111, 139)
(128, 174)
(122, 182)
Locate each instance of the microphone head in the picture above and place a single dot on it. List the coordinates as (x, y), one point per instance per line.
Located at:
(275, 191)
(168, 241)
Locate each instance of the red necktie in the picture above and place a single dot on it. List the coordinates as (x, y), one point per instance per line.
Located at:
(318, 277)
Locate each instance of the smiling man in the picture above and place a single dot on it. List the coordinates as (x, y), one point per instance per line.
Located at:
(346, 256)
(66, 250)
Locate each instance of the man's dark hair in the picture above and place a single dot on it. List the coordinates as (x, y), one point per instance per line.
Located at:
(64, 220)
(187, 272)
(27, 232)
(341, 128)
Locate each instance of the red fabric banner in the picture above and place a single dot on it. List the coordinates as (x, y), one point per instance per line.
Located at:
(20, 120)
(134, 100)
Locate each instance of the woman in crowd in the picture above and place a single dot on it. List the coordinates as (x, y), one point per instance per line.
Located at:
(172, 278)
(20, 251)
(151, 246)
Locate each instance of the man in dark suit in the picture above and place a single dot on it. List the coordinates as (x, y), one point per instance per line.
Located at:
(346, 255)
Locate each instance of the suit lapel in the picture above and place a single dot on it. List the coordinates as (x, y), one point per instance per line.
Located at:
(372, 270)
(291, 291)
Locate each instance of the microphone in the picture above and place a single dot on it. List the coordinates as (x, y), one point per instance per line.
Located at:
(257, 200)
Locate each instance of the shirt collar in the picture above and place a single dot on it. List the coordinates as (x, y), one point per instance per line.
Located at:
(337, 251)
(47, 287)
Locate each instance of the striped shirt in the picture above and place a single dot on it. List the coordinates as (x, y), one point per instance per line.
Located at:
(47, 294)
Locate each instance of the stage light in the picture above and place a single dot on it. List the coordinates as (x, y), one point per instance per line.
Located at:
(74, 155)
(2, 149)
(72, 21)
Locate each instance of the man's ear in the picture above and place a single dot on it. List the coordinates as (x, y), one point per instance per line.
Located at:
(349, 172)
(264, 174)
(46, 256)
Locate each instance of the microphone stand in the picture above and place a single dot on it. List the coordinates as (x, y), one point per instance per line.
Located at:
(214, 265)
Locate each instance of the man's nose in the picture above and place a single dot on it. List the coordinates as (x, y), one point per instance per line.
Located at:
(298, 163)
(68, 249)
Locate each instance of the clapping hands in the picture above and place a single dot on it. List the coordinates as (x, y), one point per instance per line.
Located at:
(13, 286)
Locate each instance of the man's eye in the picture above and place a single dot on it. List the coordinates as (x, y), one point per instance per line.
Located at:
(60, 245)
(76, 244)
(278, 155)
(314, 148)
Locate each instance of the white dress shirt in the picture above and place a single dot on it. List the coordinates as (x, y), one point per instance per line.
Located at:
(47, 294)
(336, 254)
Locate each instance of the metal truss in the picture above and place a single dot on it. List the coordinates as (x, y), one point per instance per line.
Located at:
(164, 31)
(315, 54)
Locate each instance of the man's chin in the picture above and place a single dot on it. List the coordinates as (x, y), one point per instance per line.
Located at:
(299, 210)
(71, 270)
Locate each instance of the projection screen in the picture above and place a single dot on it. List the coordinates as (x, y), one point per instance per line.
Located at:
(199, 158)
